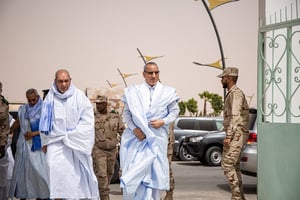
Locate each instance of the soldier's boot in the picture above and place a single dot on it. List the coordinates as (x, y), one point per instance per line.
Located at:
(169, 195)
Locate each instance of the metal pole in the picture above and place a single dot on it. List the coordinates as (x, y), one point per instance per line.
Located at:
(218, 38)
(122, 77)
(141, 55)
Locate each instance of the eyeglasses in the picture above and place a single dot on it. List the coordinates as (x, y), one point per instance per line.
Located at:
(151, 73)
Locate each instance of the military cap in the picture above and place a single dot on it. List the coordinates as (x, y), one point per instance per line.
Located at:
(101, 99)
(229, 71)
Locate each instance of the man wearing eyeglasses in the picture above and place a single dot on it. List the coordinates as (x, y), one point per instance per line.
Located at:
(149, 109)
(67, 127)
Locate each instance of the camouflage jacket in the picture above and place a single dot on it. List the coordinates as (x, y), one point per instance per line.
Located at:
(236, 112)
(4, 121)
(107, 129)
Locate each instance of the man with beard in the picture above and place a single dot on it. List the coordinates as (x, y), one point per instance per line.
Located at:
(236, 119)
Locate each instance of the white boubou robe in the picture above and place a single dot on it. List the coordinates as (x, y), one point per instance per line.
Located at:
(144, 164)
(69, 146)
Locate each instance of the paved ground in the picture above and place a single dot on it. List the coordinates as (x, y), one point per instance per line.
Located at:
(194, 182)
(222, 194)
(197, 182)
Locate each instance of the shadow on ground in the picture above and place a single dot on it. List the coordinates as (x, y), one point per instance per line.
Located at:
(189, 163)
(248, 188)
(193, 163)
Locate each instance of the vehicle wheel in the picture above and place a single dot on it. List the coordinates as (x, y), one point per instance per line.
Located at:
(213, 156)
(115, 177)
(184, 155)
(203, 161)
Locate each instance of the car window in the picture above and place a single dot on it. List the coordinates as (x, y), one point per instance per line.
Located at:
(200, 124)
(207, 125)
(186, 124)
(219, 125)
(252, 119)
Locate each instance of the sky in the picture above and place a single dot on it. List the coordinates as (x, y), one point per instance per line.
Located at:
(93, 39)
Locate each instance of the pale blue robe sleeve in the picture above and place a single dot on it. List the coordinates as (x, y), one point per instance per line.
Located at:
(128, 118)
(82, 137)
(173, 112)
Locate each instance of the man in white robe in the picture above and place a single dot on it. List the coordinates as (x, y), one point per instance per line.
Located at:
(149, 108)
(67, 122)
(29, 178)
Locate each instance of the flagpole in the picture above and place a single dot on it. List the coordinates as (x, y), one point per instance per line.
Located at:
(122, 77)
(141, 55)
(218, 38)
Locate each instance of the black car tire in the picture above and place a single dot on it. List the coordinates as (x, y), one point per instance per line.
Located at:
(213, 156)
(202, 161)
(184, 155)
(115, 177)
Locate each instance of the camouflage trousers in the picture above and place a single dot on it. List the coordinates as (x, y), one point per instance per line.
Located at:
(169, 193)
(104, 163)
(231, 164)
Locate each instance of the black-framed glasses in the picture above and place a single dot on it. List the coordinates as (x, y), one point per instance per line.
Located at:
(151, 73)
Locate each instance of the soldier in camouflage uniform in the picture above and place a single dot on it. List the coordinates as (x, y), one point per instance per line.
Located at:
(236, 119)
(107, 127)
(4, 131)
(4, 123)
(169, 193)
